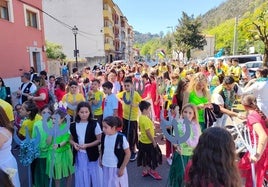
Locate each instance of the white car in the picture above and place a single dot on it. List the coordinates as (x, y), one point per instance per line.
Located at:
(252, 67)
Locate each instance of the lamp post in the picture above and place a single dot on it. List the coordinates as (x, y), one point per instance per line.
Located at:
(76, 51)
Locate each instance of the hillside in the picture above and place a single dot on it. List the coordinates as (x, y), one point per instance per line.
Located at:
(143, 38)
(227, 10)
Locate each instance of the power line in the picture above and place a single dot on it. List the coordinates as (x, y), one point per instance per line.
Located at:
(59, 21)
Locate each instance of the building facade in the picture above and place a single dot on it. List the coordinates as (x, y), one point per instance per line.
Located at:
(22, 39)
(102, 29)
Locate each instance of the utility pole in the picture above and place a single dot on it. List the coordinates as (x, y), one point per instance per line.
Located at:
(235, 36)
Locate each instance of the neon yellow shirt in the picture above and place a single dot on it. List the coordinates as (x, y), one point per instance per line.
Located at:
(98, 95)
(126, 107)
(72, 100)
(29, 123)
(8, 109)
(145, 123)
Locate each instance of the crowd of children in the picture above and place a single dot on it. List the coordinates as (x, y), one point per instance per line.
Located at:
(114, 111)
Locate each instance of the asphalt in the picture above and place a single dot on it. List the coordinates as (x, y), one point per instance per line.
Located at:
(134, 172)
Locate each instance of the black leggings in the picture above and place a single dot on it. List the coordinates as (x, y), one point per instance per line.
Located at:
(131, 134)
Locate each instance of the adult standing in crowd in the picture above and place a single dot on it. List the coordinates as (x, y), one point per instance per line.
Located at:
(225, 95)
(3, 91)
(198, 94)
(27, 88)
(41, 96)
(260, 89)
(7, 160)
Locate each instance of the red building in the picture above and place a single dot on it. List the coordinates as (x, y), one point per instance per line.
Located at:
(22, 41)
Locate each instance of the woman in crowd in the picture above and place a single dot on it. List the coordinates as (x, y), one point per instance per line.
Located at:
(60, 90)
(260, 89)
(7, 160)
(3, 91)
(41, 96)
(198, 94)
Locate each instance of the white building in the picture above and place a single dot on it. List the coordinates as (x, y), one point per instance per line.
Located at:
(95, 20)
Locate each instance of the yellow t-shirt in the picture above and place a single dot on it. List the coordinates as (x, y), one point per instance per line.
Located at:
(162, 69)
(236, 71)
(98, 95)
(29, 123)
(145, 123)
(8, 109)
(72, 100)
(126, 107)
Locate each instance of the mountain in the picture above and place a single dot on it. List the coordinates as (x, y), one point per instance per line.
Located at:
(227, 10)
(143, 38)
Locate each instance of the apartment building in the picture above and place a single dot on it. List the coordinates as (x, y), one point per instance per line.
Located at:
(22, 39)
(103, 33)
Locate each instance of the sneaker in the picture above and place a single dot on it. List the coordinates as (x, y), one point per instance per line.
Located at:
(145, 173)
(133, 157)
(169, 161)
(155, 175)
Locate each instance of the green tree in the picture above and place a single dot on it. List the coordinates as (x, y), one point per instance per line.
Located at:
(54, 51)
(257, 28)
(188, 35)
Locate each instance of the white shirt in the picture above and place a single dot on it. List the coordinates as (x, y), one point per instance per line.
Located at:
(109, 159)
(81, 132)
(260, 90)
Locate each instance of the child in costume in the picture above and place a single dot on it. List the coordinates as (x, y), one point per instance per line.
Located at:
(60, 165)
(184, 151)
(256, 121)
(130, 100)
(148, 155)
(40, 177)
(85, 138)
(115, 154)
(174, 109)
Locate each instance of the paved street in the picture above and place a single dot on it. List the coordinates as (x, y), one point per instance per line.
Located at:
(134, 173)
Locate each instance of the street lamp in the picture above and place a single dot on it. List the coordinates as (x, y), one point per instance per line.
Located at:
(76, 51)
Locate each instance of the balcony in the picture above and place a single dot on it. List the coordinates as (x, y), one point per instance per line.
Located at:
(108, 47)
(107, 14)
(109, 31)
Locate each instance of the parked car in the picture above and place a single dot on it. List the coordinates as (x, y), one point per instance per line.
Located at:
(252, 67)
(243, 58)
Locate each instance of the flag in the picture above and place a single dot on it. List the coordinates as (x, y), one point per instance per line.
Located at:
(161, 54)
(219, 53)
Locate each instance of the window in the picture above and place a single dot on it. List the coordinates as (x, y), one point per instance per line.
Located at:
(31, 19)
(4, 12)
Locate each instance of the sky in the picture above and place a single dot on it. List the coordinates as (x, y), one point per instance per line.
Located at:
(156, 15)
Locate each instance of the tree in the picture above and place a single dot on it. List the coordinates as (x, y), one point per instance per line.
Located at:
(257, 28)
(188, 35)
(54, 51)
